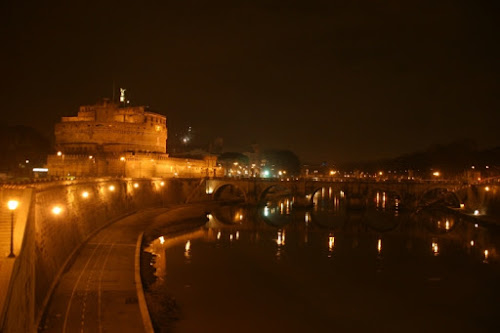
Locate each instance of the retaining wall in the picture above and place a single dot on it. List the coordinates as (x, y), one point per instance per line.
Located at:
(50, 240)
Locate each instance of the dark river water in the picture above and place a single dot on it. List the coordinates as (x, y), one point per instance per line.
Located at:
(332, 268)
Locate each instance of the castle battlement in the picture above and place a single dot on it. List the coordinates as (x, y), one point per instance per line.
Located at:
(112, 127)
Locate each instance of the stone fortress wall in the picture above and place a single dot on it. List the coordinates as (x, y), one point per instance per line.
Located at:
(113, 139)
(135, 165)
(109, 127)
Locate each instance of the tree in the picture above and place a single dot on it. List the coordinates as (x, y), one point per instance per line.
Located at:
(282, 160)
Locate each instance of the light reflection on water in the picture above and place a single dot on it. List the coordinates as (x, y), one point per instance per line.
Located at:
(356, 238)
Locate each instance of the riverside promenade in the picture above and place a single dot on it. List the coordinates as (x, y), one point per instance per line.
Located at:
(101, 290)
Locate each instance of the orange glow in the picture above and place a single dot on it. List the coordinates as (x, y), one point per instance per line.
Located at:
(12, 204)
(435, 248)
(111, 188)
(281, 238)
(187, 248)
(331, 242)
(85, 194)
(56, 210)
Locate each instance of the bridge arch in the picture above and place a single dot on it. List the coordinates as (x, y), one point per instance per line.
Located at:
(218, 191)
(439, 222)
(439, 194)
(315, 190)
(269, 189)
(386, 198)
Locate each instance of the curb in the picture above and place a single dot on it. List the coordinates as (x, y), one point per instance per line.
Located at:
(146, 319)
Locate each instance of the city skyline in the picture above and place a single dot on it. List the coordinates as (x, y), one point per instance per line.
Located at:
(331, 82)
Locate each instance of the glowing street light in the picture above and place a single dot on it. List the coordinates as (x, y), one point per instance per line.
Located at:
(436, 174)
(56, 210)
(136, 185)
(435, 248)
(12, 204)
(111, 188)
(59, 153)
(85, 195)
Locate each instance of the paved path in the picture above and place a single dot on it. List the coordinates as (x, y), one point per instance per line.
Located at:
(98, 293)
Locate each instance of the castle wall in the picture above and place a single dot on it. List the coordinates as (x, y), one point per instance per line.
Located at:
(75, 137)
(111, 127)
(131, 165)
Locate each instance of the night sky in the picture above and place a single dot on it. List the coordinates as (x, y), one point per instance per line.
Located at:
(330, 80)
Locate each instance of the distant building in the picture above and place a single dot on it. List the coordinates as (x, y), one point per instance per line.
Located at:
(115, 139)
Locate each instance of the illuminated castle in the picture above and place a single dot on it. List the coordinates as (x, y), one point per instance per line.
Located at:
(115, 139)
(112, 128)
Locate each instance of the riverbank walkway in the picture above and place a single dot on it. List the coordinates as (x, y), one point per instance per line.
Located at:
(99, 292)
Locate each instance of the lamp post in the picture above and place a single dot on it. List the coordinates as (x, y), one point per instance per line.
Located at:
(12, 204)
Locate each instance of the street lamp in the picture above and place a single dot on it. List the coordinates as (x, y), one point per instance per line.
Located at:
(12, 204)
(56, 210)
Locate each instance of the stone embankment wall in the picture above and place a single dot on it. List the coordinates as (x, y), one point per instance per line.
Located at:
(50, 240)
(484, 198)
(17, 274)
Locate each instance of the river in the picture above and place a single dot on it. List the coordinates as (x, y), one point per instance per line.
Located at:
(334, 268)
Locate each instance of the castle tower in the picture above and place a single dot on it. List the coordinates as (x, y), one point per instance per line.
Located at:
(109, 127)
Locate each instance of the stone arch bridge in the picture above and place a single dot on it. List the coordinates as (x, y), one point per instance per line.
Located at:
(410, 193)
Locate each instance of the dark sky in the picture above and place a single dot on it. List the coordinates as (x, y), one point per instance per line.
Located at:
(330, 80)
